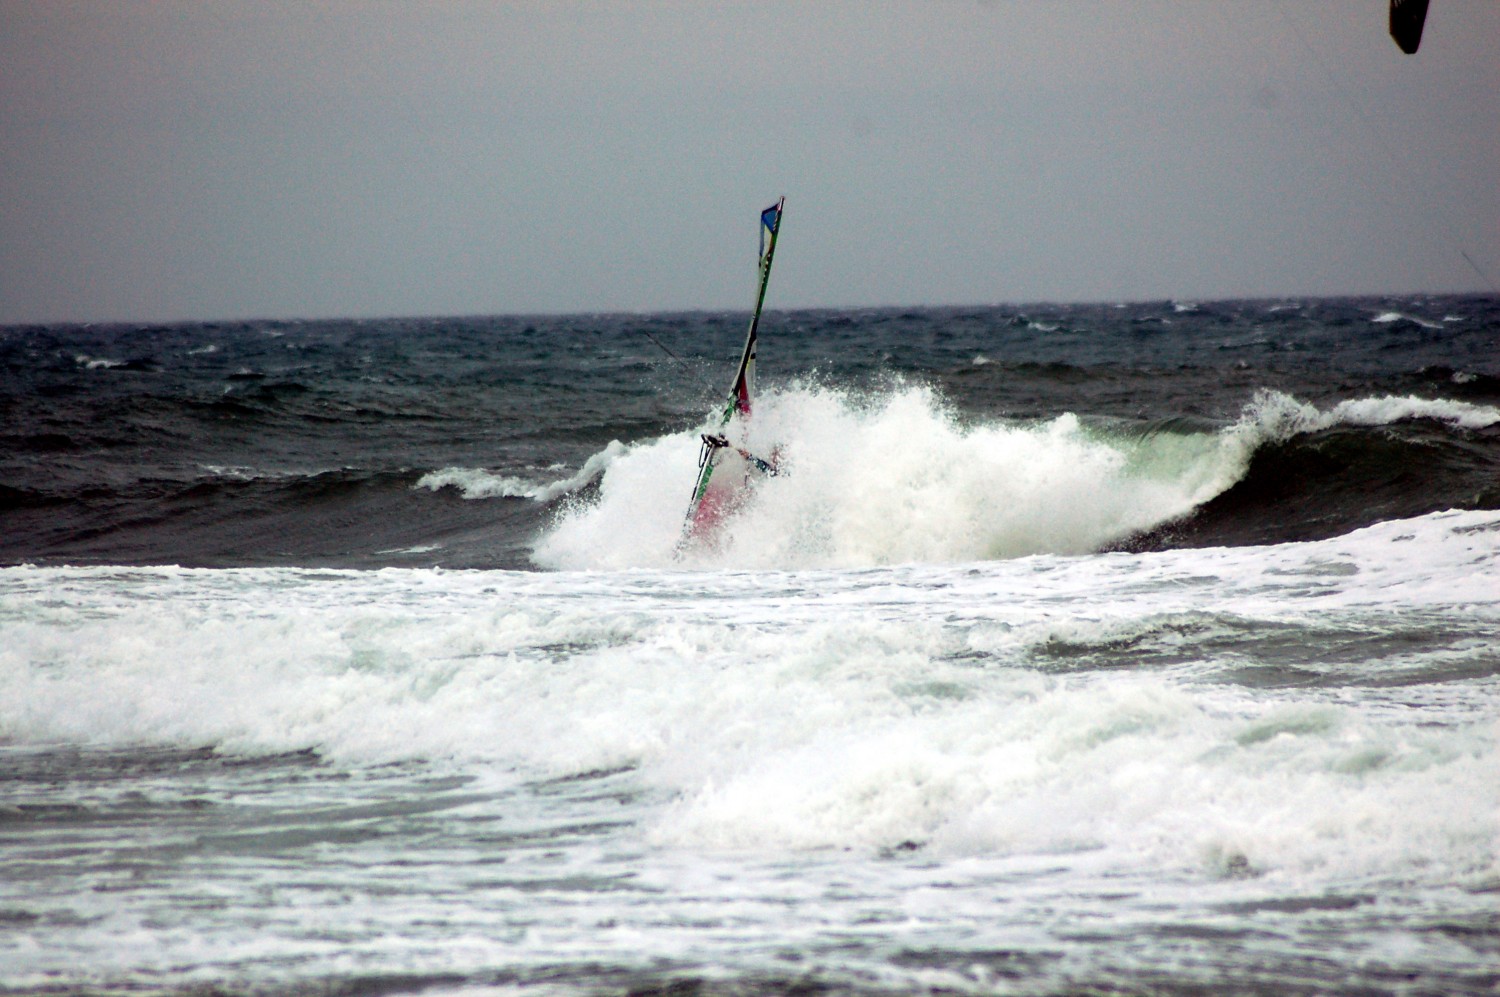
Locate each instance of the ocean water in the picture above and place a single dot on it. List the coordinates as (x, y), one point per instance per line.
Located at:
(1140, 648)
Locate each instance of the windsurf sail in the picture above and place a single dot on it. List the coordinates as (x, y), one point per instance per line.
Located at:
(712, 501)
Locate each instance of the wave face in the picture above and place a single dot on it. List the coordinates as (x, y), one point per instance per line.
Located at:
(916, 435)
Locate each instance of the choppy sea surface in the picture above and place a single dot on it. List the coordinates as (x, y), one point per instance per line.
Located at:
(1124, 648)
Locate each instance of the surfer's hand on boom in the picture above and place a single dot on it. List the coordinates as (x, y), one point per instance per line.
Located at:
(766, 467)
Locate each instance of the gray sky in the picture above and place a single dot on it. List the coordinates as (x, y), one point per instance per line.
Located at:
(198, 160)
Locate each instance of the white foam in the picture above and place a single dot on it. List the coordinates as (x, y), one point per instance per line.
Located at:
(895, 477)
(1147, 772)
(1387, 410)
(234, 472)
(1273, 416)
(475, 483)
(241, 472)
(1385, 318)
(837, 709)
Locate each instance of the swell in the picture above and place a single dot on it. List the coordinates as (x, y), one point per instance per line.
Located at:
(1309, 474)
(463, 437)
(1326, 482)
(234, 518)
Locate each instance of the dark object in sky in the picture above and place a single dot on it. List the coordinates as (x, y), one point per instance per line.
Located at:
(1407, 18)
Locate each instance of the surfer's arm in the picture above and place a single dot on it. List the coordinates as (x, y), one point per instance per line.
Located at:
(766, 467)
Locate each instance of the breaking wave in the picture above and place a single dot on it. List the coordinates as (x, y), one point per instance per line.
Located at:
(475, 483)
(898, 477)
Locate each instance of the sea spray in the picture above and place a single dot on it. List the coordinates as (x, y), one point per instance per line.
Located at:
(896, 476)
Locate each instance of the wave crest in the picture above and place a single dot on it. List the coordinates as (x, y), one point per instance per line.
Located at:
(475, 483)
(1272, 416)
(894, 478)
(897, 477)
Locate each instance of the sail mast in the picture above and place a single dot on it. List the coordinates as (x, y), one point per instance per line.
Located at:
(699, 510)
(744, 379)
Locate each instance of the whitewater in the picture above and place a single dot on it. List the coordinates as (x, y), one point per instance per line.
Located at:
(1028, 775)
(1077, 649)
(899, 477)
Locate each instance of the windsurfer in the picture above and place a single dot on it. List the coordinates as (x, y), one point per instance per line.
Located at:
(770, 468)
(713, 499)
